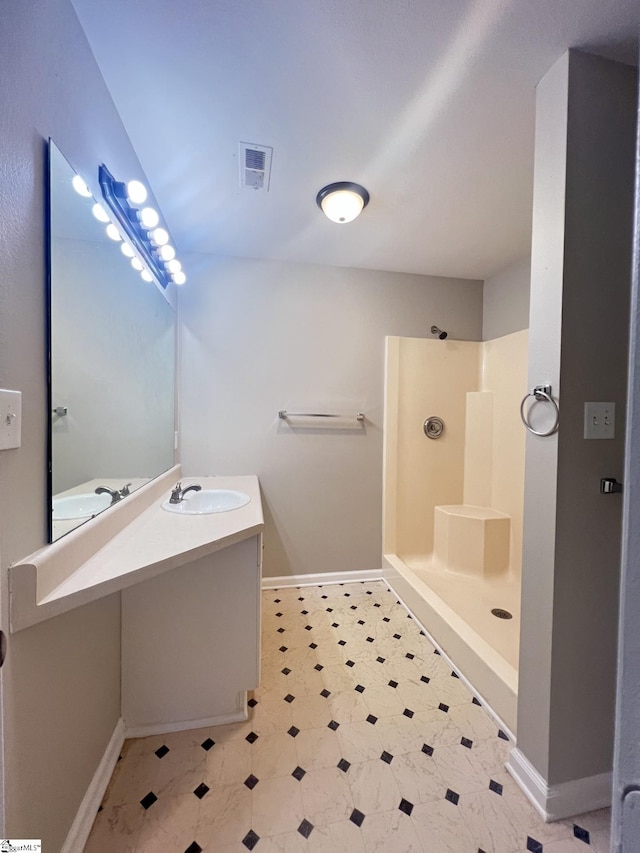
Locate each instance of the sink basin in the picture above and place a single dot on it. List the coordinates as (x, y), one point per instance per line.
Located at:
(79, 506)
(207, 501)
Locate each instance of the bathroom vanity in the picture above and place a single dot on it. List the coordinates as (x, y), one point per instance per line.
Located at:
(190, 592)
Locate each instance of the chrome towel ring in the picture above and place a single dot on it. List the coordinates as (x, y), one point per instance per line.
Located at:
(542, 394)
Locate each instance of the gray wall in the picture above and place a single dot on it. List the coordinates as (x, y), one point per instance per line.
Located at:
(61, 683)
(583, 193)
(260, 336)
(505, 300)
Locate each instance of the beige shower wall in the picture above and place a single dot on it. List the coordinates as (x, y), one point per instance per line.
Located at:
(425, 378)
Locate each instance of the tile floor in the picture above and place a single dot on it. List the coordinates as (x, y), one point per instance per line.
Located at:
(361, 738)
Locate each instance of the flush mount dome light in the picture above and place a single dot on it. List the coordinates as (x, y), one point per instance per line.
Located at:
(342, 201)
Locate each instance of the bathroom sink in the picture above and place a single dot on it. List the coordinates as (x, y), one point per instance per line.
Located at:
(79, 506)
(207, 501)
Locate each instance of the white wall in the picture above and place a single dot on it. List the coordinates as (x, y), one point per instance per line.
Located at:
(61, 681)
(580, 279)
(260, 336)
(505, 300)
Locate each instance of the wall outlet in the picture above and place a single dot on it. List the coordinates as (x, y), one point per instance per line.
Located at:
(599, 420)
(10, 419)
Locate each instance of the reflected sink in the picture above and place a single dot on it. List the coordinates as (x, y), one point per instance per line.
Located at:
(79, 506)
(207, 501)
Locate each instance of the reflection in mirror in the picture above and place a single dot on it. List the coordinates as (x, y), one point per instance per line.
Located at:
(112, 361)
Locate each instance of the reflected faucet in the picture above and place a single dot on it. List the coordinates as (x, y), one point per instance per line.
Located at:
(115, 494)
(178, 493)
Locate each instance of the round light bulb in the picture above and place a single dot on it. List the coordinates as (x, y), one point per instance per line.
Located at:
(174, 265)
(167, 252)
(160, 236)
(136, 192)
(100, 213)
(149, 217)
(113, 233)
(342, 206)
(126, 250)
(80, 187)
(136, 263)
(146, 275)
(179, 278)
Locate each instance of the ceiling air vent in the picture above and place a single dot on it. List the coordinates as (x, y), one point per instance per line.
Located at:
(255, 165)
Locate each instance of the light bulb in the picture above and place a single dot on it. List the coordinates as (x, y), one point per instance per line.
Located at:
(100, 213)
(80, 187)
(174, 265)
(126, 250)
(136, 192)
(167, 252)
(149, 217)
(342, 206)
(160, 236)
(146, 275)
(179, 277)
(113, 233)
(136, 263)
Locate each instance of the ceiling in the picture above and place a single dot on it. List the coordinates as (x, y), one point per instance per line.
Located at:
(427, 103)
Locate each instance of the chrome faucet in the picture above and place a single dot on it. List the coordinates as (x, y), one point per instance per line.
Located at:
(124, 491)
(178, 493)
(115, 494)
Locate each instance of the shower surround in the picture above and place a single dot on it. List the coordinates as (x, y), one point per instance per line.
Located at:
(453, 505)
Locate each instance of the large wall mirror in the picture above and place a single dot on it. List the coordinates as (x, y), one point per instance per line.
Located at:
(112, 364)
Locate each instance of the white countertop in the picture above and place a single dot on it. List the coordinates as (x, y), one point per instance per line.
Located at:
(152, 542)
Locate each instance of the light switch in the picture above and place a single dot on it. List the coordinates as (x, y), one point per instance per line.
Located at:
(10, 419)
(599, 420)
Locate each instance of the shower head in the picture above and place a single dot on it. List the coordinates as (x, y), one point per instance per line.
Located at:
(436, 331)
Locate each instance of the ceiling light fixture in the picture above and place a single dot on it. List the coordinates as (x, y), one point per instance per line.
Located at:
(342, 201)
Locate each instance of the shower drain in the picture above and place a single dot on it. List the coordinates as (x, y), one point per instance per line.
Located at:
(501, 614)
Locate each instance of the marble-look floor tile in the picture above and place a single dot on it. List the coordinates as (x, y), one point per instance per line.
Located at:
(311, 712)
(336, 838)
(418, 778)
(228, 763)
(400, 734)
(288, 842)
(459, 769)
(531, 822)
(273, 755)
(491, 822)
(441, 828)
(276, 806)
(224, 817)
(373, 787)
(317, 748)
(359, 742)
(437, 728)
(326, 796)
(349, 706)
(116, 828)
(169, 824)
(390, 831)
(177, 772)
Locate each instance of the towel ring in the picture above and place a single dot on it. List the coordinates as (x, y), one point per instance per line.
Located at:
(542, 393)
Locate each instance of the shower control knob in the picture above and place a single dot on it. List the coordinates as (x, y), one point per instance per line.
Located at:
(433, 427)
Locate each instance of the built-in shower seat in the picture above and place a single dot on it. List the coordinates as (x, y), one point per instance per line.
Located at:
(471, 540)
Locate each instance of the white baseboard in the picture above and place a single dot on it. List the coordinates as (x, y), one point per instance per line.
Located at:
(86, 814)
(321, 578)
(557, 802)
(185, 725)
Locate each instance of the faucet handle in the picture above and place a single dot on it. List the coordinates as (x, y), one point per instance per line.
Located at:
(176, 493)
(124, 491)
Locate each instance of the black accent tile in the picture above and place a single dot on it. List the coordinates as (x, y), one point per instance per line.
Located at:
(251, 782)
(329, 609)
(533, 846)
(280, 630)
(333, 725)
(454, 675)
(324, 596)
(194, 847)
(360, 621)
(397, 636)
(356, 817)
(377, 605)
(428, 750)
(381, 660)
(475, 701)
(368, 591)
(318, 667)
(422, 634)
(502, 735)
(425, 679)
(201, 790)
(496, 787)
(342, 642)
(359, 688)
(335, 624)
(289, 698)
(353, 607)
(285, 671)
(347, 595)
(207, 744)
(250, 840)
(313, 645)
(308, 628)
(409, 655)
(408, 712)
(466, 742)
(293, 731)
(386, 619)
(581, 834)
(443, 707)
(371, 719)
(350, 663)
(283, 649)
(304, 612)
(452, 796)
(278, 615)
(386, 757)
(301, 598)
(393, 684)
(162, 751)
(326, 693)
(343, 765)
(298, 773)
(148, 801)
(252, 737)
(436, 652)
(405, 806)
(369, 639)
(305, 829)
(252, 703)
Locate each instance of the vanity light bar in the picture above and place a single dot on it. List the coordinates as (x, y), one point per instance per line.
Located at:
(140, 228)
